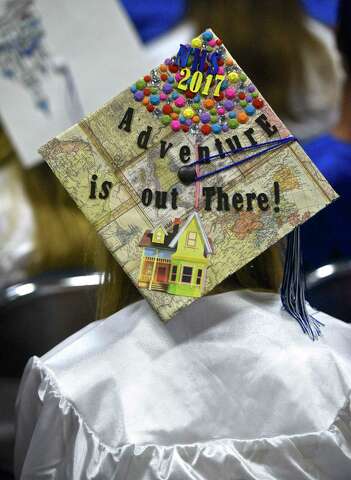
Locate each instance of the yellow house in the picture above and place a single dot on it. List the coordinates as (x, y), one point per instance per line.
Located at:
(190, 260)
(176, 261)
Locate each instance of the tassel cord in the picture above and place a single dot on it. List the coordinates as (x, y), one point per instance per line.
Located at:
(293, 288)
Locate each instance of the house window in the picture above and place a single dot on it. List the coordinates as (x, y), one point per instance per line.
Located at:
(150, 252)
(174, 273)
(198, 278)
(148, 268)
(186, 274)
(191, 239)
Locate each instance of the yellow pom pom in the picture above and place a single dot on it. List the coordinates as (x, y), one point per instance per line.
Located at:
(188, 112)
(233, 77)
(196, 42)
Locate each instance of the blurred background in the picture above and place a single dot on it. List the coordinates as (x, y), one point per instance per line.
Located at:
(61, 60)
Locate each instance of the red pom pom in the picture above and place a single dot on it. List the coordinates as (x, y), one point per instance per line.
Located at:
(206, 129)
(167, 109)
(147, 91)
(164, 76)
(185, 128)
(257, 102)
(150, 107)
(189, 94)
(219, 97)
(242, 95)
(173, 68)
(147, 78)
(219, 41)
(220, 62)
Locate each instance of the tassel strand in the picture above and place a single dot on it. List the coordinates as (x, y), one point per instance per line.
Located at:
(293, 287)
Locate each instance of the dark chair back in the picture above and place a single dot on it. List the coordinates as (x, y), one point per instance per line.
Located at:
(35, 316)
(38, 314)
(329, 289)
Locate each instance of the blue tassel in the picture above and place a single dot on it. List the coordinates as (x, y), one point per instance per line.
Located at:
(292, 291)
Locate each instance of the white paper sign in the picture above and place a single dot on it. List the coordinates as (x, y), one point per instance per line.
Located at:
(90, 51)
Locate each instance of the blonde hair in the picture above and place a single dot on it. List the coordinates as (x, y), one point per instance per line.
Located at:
(264, 273)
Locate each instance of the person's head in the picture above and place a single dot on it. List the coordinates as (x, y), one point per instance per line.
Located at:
(270, 41)
(343, 34)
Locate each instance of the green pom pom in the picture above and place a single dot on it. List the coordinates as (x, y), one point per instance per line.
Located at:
(233, 123)
(242, 77)
(166, 119)
(140, 84)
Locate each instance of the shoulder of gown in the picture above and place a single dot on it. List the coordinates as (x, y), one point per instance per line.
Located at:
(230, 384)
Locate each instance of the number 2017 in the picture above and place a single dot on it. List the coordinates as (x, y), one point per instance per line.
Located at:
(196, 82)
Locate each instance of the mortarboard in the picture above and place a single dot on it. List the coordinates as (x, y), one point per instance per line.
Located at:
(188, 175)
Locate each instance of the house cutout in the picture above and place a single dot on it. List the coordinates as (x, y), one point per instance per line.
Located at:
(176, 261)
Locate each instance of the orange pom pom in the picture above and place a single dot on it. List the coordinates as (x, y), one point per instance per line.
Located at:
(209, 103)
(242, 117)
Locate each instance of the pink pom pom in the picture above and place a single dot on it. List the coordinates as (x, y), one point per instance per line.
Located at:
(220, 70)
(230, 92)
(175, 124)
(180, 102)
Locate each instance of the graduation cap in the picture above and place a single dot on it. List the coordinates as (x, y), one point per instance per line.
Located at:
(188, 175)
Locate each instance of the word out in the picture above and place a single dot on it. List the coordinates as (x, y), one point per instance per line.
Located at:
(160, 199)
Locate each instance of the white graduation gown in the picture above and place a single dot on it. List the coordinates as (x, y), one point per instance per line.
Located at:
(229, 389)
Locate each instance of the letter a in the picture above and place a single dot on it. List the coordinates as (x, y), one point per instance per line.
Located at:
(127, 120)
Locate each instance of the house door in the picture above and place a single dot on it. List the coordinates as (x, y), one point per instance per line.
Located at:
(162, 274)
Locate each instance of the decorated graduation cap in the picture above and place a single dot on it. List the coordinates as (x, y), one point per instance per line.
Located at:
(188, 175)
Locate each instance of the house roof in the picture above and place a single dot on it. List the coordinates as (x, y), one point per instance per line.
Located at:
(208, 245)
(146, 240)
(162, 228)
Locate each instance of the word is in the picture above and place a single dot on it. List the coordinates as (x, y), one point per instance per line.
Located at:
(104, 190)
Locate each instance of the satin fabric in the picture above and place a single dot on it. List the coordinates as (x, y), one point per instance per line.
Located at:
(228, 389)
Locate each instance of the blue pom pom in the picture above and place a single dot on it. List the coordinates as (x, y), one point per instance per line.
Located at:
(250, 110)
(216, 128)
(207, 36)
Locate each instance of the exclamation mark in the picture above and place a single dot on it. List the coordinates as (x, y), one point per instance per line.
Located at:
(276, 196)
